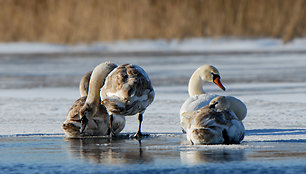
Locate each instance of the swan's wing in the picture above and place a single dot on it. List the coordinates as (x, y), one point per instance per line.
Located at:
(235, 129)
(192, 104)
(237, 106)
(128, 90)
(210, 127)
(206, 126)
(72, 124)
(236, 132)
(196, 102)
(74, 112)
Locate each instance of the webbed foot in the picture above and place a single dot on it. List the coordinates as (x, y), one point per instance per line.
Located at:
(140, 135)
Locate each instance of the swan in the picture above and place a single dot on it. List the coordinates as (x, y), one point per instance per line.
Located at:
(197, 97)
(215, 124)
(97, 122)
(127, 91)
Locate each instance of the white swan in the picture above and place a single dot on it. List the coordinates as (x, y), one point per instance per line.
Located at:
(215, 124)
(127, 91)
(91, 107)
(197, 97)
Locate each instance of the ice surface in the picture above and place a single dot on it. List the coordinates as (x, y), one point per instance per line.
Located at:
(180, 45)
(36, 91)
(159, 154)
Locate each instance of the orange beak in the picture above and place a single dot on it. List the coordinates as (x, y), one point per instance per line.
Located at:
(218, 82)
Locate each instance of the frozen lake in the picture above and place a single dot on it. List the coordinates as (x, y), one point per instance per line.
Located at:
(161, 153)
(37, 89)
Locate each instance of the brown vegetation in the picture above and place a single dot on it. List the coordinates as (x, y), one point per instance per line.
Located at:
(73, 21)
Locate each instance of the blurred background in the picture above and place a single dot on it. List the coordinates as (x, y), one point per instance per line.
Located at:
(72, 22)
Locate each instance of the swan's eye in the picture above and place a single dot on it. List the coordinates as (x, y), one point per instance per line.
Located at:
(216, 79)
(215, 76)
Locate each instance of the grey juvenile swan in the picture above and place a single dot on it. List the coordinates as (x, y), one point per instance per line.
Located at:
(218, 122)
(127, 91)
(97, 118)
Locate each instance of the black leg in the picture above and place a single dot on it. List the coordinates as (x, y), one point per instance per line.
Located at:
(139, 134)
(111, 118)
(140, 118)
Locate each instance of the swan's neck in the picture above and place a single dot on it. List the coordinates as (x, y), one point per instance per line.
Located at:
(93, 96)
(96, 82)
(237, 106)
(84, 84)
(195, 85)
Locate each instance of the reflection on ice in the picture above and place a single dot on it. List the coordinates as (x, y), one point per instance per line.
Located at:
(167, 149)
(159, 152)
(212, 156)
(158, 149)
(110, 152)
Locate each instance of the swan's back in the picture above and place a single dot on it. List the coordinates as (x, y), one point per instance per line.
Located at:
(196, 102)
(74, 111)
(192, 104)
(207, 126)
(72, 124)
(127, 90)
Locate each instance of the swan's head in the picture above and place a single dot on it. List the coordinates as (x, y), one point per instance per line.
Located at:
(219, 103)
(211, 74)
(86, 112)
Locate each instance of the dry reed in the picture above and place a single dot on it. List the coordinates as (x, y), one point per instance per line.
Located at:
(74, 21)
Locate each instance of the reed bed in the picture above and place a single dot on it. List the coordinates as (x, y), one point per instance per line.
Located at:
(86, 21)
